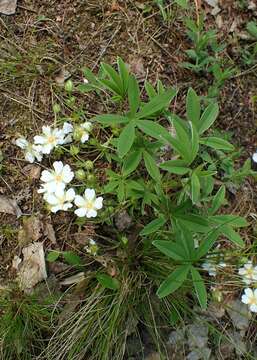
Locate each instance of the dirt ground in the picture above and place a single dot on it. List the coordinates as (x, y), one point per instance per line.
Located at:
(45, 38)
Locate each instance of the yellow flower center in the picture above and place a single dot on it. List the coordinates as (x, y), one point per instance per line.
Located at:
(90, 205)
(249, 272)
(51, 139)
(58, 178)
(252, 300)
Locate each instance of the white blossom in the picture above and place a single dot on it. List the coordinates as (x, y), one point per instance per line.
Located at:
(250, 298)
(32, 152)
(67, 130)
(57, 178)
(88, 204)
(248, 273)
(82, 131)
(92, 248)
(60, 200)
(49, 139)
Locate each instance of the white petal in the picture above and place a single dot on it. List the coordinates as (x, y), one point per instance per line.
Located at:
(67, 139)
(46, 130)
(84, 138)
(253, 308)
(245, 299)
(59, 192)
(51, 199)
(254, 157)
(67, 206)
(58, 167)
(81, 212)
(52, 186)
(29, 157)
(89, 194)
(241, 271)
(46, 176)
(248, 265)
(67, 174)
(70, 194)
(67, 128)
(248, 292)
(255, 293)
(21, 143)
(87, 125)
(47, 148)
(98, 204)
(39, 140)
(56, 208)
(91, 213)
(79, 201)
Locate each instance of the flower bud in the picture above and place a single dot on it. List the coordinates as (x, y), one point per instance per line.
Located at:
(90, 177)
(89, 165)
(80, 174)
(74, 150)
(69, 86)
(56, 108)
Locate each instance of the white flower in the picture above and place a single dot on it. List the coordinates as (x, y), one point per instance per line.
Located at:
(249, 273)
(50, 139)
(250, 298)
(57, 178)
(85, 81)
(82, 131)
(60, 200)
(92, 249)
(88, 204)
(67, 130)
(31, 151)
(210, 267)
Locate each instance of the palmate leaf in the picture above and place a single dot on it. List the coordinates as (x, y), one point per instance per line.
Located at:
(151, 166)
(218, 200)
(208, 117)
(171, 249)
(217, 143)
(124, 73)
(154, 129)
(193, 107)
(107, 281)
(174, 281)
(131, 162)
(133, 95)
(111, 119)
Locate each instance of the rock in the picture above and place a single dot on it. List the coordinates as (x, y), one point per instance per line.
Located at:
(9, 206)
(197, 335)
(212, 3)
(74, 279)
(199, 354)
(32, 269)
(239, 344)
(153, 356)
(16, 262)
(30, 231)
(50, 233)
(239, 314)
(8, 7)
(177, 337)
(123, 221)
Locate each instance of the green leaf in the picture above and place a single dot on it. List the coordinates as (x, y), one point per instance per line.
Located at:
(182, 137)
(232, 235)
(156, 104)
(174, 281)
(110, 85)
(151, 92)
(126, 139)
(252, 28)
(154, 129)
(151, 166)
(194, 222)
(208, 117)
(200, 288)
(114, 76)
(171, 249)
(153, 226)
(207, 243)
(107, 281)
(53, 255)
(111, 119)
(133, 95)
(231, 220)
(218, 200)
(71, 258)
(195, 188)
(131, 162)
(170, 167)
(124, 73)
(182, 3)
(193, 107)
(194, 141)
(217, 143)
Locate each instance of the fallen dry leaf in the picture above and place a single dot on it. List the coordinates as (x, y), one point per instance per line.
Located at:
(30, 231)
(74, 279)
(8, 7)
(62, 76)
(32, 269)
(33, 171)
(9, 206)
(50, 233)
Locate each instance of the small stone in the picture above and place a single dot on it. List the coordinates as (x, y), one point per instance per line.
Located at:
(123, 221)
(177, 337)
(9, 206)
(8, 7)
(197, 335)
(239, 314)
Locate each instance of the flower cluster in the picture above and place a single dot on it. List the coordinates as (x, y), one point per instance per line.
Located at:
(212, 266)
(249, 277)
(52, 138)
(53, 187)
